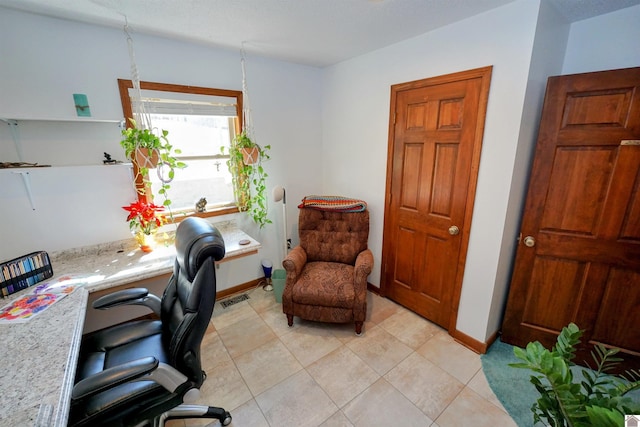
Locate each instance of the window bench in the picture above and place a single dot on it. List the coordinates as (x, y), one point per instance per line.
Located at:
(39, 356)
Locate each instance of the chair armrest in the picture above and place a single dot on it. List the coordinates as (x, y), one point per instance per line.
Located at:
(294, 262)
(363, 266)
(133, 296)
(113, 377)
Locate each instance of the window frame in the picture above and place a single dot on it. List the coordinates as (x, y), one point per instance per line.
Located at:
(125, 85)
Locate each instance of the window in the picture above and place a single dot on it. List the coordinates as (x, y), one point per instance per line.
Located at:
(200, 121)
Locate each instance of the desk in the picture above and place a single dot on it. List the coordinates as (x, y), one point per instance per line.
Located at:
(39, 357)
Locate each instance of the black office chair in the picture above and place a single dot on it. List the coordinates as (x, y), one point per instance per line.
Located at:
(143, 372)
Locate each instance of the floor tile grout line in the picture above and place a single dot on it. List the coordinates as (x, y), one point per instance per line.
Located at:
(344, 345)
(304, 368)
(407, 397)
(254, 396)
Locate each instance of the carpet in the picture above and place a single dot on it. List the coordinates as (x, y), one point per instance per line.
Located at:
(512, 387)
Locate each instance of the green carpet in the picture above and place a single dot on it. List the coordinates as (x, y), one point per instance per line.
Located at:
(512, 386)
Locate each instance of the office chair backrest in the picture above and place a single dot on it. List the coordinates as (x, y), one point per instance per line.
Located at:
(333, 236)
(188, 300)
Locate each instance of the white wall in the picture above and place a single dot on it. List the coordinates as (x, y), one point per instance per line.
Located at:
(605, 42)
(356, 120)
(525, 41)
(552, 31)
(46, 60)
(328, 128)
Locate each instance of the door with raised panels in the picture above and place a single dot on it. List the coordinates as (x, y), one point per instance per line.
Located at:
(434, 150)
(579, 255)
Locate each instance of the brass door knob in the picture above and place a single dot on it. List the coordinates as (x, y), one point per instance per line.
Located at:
(454, 230)
(529, 241)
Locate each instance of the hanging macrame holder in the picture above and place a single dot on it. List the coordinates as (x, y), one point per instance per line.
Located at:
(250, 155)
(246, 104)
(143, 119)
(146, 157)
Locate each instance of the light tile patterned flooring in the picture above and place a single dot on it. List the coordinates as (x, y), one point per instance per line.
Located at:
(402, 371)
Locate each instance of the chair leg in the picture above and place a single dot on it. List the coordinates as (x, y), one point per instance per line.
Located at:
(358, 328)
(290, 319)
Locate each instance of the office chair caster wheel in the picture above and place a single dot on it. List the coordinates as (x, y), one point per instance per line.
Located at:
(227, 419)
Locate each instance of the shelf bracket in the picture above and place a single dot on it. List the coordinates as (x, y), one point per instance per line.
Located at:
(26, 179)
(13, 126)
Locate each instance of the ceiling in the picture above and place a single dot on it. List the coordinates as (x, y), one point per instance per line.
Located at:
(312, 32)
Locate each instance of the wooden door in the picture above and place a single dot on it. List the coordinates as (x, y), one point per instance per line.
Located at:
(579, 256)
(434, 150)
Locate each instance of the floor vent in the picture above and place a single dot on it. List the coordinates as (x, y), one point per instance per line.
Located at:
(234, 300)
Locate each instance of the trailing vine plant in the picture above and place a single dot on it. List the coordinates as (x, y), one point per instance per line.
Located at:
(249, 179)
(135, 138)
(146, 138)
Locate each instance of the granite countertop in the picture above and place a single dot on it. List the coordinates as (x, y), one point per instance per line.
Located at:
(39, 356)
(116, 263)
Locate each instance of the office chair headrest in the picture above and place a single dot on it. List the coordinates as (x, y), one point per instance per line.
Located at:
(196, 241)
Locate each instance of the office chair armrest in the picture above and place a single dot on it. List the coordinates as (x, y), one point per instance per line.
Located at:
(133, 296)
(113, 377)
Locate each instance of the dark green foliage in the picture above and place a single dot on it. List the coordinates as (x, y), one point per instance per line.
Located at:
(597, 400)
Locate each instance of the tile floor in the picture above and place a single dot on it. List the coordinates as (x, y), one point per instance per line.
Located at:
(402, 371)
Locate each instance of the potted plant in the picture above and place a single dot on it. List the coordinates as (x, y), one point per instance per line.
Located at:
(149, 150)
(250, 150)
(144, 220)
(249, 176)
(565, 401)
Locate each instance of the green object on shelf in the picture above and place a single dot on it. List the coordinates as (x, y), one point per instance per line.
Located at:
(82, 105)
(278, 279)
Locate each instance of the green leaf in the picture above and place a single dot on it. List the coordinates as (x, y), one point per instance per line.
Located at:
(603, 417)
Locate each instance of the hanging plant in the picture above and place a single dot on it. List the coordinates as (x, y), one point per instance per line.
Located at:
(249, 178)
(250, 155)
(245, 164)
(146, 157)
(149, 150)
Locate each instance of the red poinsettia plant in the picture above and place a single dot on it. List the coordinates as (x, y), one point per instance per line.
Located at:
(144, 217)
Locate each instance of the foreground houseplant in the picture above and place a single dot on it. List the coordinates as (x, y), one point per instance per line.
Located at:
(149, 150)
(598, 400)
(144, 220)
(249, 177)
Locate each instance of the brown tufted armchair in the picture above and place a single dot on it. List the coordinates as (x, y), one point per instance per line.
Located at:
(327, 273)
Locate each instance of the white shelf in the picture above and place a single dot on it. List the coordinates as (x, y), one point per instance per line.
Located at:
(61, 120)
(44, 168)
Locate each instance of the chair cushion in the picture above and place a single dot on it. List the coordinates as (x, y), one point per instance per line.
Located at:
(327, 284)
(333, 236)
(112, 347)
(120, 344)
